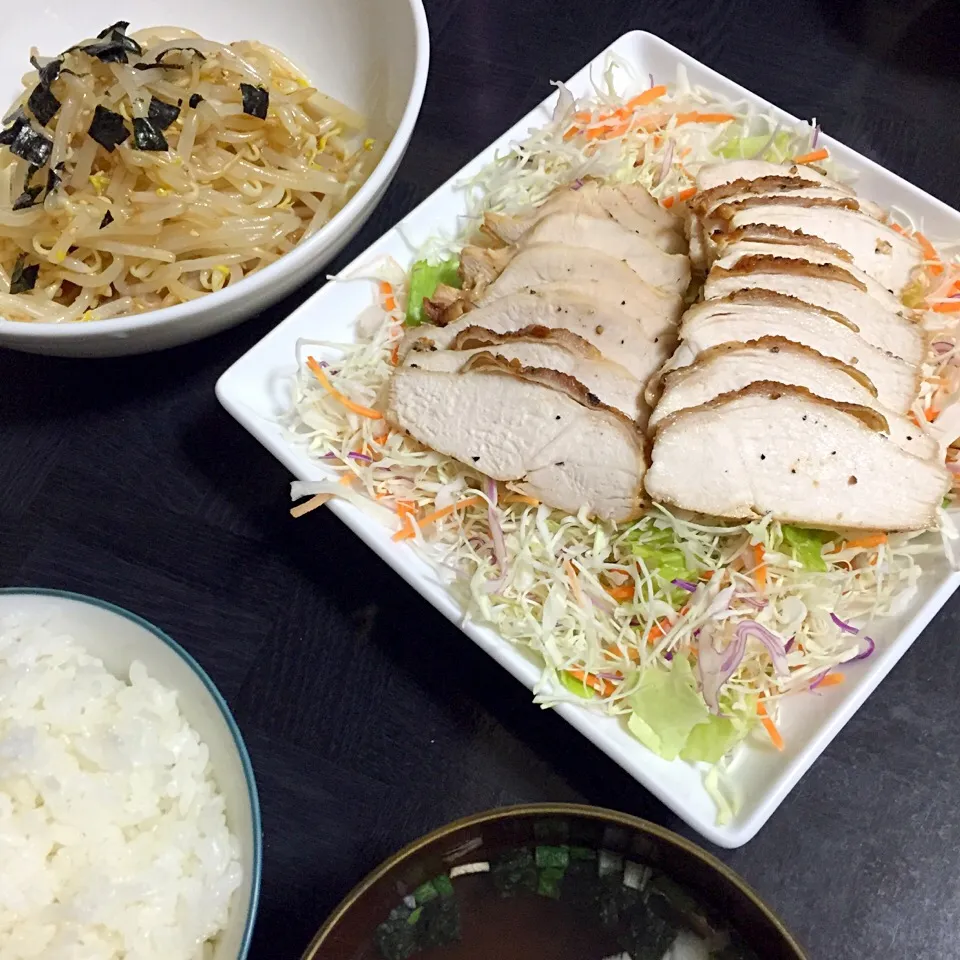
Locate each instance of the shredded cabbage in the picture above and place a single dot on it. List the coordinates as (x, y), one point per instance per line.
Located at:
(584, 595)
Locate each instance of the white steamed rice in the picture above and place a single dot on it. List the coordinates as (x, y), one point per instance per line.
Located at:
(113, 839)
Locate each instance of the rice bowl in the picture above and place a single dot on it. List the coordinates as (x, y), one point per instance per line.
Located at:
(128, 809)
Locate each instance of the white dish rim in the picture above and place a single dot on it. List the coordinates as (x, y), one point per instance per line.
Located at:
(740, 830)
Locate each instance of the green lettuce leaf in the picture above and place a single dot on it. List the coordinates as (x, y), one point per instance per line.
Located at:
(670, 717)
(662, 557)
(806, 546)
(712, 740)
(666, 708)
(425, 277)
(739, 147)
(574, 685)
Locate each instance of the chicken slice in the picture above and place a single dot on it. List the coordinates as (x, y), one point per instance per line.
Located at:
(730, 252)
(630, 205)
(536, 428)
(829, 287)
(776, 449)
(732, 366)
(560, 350)
(610, 280)
(752, 314)
(617, 336)
(669, 272)
(712, 175)
(878, 250)
(772, 187)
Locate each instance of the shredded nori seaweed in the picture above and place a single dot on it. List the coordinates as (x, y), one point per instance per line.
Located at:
(117, 32)
(106, 51)
(159, 57)
(108, 128)
(107, 220)
(161, 114)
(24, 278)
(31, 145)
(195, 100)
(158, 66)
(43, 104)
(53, 176)
(147, 137)
(28, 198)
(48, 72)
(10, 134)
(256, 100)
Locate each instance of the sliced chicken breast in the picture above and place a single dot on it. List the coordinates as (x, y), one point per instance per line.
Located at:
(732, 366)
(713, 175)
(613, 385)
(536, 428)
(630, 205)
(777, 449)
(610, 280)
(829, 287)
(706, 201)
(670, 272)
(878, 250)
(752, 314)
(614, 333)
(730, 253)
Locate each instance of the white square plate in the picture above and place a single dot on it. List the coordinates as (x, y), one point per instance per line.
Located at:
(256, 389)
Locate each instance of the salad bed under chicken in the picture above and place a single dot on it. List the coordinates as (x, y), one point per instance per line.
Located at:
(674, 414)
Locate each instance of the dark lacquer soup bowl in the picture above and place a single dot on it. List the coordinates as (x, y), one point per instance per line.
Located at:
(553, 882)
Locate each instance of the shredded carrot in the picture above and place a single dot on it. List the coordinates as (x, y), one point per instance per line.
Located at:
(685, 152)
(605, 688)
(574, 582)
(831, 680)
(658, 631)
(520, 498)
(933, 263)
(760, 566)
(930, 414)
(395, 354)
(608, 133)
(769, 726)
(424, 521)
(318, 501)
(631, 654)
(386, 290)
(337, 395)
(648, 96)
(951, 306)
(813, 156)
(682, 195)
(624, 592)
(898, 228)
(707, 574)
(405, 510)
(696, 117)
(347, 479)
(864, 543)
(382, 439)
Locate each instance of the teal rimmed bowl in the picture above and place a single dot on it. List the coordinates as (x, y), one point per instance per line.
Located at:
(119, 637)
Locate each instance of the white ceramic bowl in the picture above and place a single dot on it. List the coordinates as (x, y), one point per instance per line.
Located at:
(371, 54)
(118, 638)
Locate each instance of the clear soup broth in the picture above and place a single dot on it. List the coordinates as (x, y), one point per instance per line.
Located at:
(553, 888)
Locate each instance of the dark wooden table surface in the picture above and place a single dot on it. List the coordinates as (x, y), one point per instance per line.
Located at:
(371, 719)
